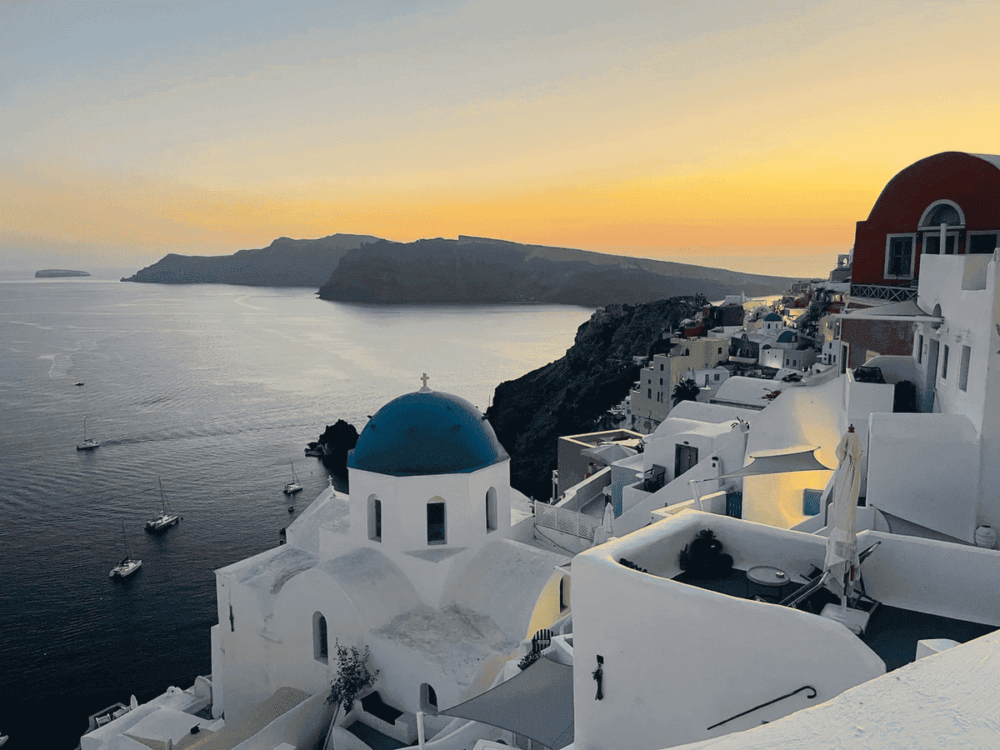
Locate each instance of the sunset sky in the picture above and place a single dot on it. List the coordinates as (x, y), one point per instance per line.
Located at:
(744, 135)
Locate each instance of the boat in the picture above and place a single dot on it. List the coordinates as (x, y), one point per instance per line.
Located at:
(294, 486)
(126, 566)
(88, 444)
(78, 382)
(166, 519)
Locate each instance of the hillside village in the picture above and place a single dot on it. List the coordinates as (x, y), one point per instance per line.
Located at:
(797, 510)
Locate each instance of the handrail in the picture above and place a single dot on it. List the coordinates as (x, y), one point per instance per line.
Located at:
(864, 554)
(762, 705)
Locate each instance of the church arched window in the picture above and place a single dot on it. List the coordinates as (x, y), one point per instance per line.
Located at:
(491, 510)
(436, 530)
(374, 518)
(321, 642)
(428, 699)
(563, 594)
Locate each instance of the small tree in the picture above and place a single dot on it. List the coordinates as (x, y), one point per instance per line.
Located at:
(353, 677)
(685, 390)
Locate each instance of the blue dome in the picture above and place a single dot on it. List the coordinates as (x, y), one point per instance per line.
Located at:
(786, 337)
(426, 432)
(772, 316)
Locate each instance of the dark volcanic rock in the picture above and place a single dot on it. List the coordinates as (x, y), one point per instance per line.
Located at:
(572, 394)
(333, 446)
(285, 262)
(480, 271)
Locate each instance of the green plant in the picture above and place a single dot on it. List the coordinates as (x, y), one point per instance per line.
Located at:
(352, 678)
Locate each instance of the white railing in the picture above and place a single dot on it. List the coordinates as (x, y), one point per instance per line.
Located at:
(566, 521)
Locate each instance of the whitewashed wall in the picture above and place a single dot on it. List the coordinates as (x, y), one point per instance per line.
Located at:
(925, 468)
(680, 678)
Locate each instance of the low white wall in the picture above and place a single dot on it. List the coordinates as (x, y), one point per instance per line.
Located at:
(939, 578)
(302, 726)
(667, 681)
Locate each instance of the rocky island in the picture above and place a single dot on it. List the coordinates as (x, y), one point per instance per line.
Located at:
(285, 262)
(57, 273)
(571, 395)
(474, 270)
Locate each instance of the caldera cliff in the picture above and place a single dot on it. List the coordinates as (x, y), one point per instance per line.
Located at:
(573, 394)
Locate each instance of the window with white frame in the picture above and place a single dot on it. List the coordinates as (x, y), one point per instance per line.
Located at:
(932, 243)
(899, 256)
(944, 363)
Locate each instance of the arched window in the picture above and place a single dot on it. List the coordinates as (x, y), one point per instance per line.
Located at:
(321, 643)
(374, 518)
(436, 531)
(942, 212)
(491, 510)
(428, 699)
(935, 215)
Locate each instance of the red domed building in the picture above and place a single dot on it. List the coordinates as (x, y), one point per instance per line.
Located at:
(946, 204)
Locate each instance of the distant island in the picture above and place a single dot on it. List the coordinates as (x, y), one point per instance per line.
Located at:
(55, 273)
(475, 270)
(469, 270)
(285, 262)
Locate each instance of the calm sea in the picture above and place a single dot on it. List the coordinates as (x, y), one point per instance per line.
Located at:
(214, 390)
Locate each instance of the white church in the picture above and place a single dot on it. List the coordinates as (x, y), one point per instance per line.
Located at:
(430, 562)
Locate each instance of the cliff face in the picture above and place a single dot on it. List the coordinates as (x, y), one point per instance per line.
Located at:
(571, 395)
(285, 262)
(474, 271)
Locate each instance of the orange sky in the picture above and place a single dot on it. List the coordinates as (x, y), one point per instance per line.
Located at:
(746, 135)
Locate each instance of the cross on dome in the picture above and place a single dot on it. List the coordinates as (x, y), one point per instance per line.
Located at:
(424, 378)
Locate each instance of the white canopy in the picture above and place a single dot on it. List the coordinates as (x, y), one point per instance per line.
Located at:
(769, 462)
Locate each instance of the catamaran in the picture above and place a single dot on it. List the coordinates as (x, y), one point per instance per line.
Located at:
(88, 444)
(166, 519)
(126, 566)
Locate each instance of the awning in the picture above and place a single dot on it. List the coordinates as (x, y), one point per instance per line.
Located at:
(908, 310)
(769, 462)
(537, 703)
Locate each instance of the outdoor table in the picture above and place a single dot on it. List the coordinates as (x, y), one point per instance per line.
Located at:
(772, 580)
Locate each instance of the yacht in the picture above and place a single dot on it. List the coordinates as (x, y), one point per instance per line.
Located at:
(88, 444)
(166, 519)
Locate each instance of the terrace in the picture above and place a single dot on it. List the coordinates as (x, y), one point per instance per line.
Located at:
(777, 658)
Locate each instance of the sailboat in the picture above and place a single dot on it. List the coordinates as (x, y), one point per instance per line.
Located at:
(292, 487)
(166, 519)
(126, 566)
(88, 444)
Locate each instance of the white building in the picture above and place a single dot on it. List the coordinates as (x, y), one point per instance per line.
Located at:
(652, 399)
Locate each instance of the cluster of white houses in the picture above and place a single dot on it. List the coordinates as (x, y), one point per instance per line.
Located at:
(582, 623)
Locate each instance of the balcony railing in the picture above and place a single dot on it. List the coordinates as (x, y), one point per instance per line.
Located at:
(884, 292)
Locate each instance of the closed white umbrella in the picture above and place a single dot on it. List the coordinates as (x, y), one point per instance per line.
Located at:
(842, 545)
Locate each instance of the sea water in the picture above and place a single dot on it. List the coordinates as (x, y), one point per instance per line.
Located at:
(214, 391)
